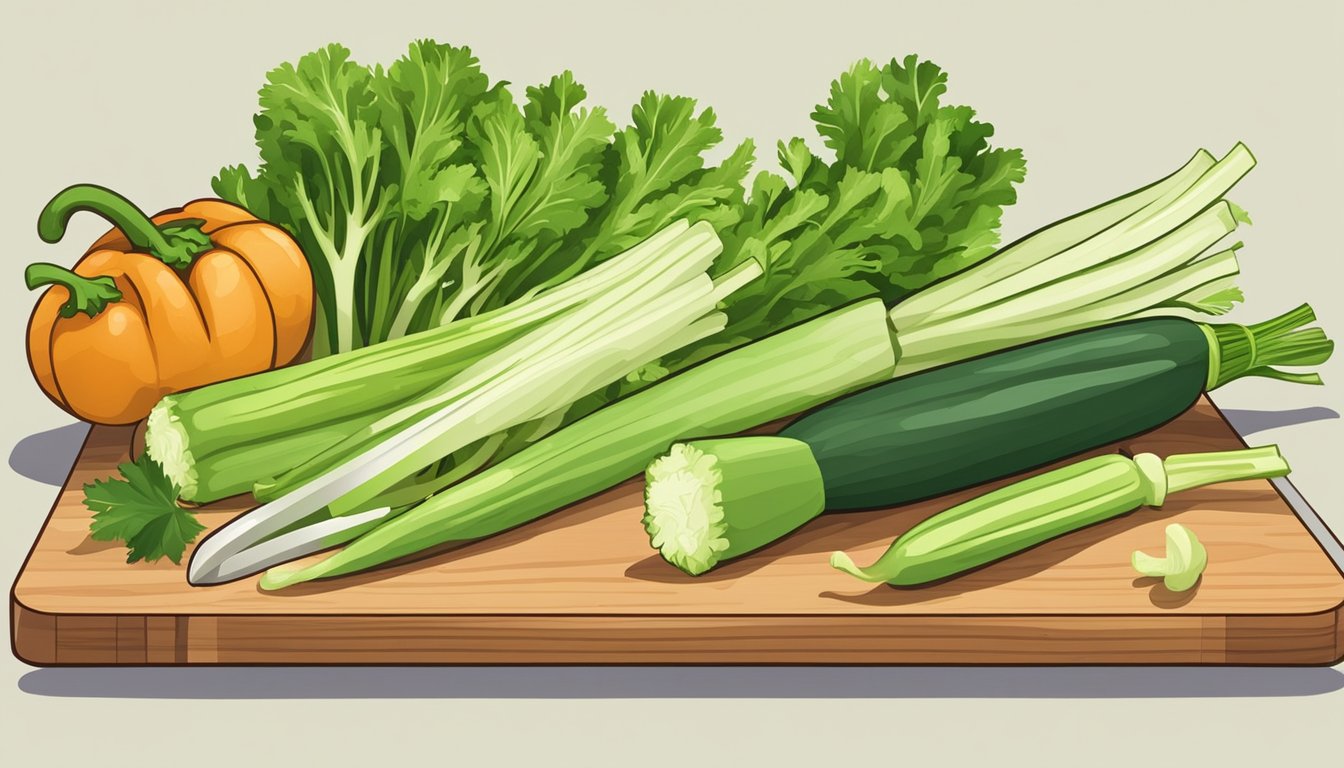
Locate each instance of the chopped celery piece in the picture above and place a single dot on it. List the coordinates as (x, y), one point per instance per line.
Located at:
(1184, 564)
(712, 500)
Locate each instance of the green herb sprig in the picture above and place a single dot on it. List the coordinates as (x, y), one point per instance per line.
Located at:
(140, 509)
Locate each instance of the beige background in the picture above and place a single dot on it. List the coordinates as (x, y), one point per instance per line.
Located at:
(152, 98)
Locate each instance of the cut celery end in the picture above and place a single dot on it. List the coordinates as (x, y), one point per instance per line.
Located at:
(709, 501)
(169, 444)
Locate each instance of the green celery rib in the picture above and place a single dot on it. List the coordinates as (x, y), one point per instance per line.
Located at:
(1146, 263)
(1195, 470)
(1093, 298)
(553, 358)
(1171, 255)
(1167, 254)
(230, 443)
(1161, 217)
(1175, 288)
(783, 374)
(1056, 238)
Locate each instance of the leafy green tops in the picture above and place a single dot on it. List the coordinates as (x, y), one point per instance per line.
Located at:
(422, 192)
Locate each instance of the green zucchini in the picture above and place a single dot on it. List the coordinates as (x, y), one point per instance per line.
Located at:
(957, 426)
(962, 425)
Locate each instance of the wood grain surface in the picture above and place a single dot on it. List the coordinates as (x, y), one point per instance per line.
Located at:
(583, 587)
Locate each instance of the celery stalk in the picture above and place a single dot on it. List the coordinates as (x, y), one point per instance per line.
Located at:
(667, 296)
(218, 440)
(1150, 262)
(666, 301)
(793, 370)
(1059, 237)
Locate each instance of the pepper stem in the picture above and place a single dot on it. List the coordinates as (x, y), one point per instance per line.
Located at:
(175, 243)
(87, 294)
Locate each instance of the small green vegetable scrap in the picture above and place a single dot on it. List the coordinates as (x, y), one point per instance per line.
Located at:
(1183, 565)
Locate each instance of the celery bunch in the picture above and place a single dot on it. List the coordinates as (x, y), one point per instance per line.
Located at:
(1155, 251)
(436, 208)
(223, 439)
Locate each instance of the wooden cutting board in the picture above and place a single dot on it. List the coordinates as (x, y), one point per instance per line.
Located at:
(582, 586)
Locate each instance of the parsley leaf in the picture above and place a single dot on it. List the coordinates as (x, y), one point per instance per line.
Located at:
(140, 509)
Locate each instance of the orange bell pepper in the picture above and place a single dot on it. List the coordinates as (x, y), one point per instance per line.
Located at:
(195, 295)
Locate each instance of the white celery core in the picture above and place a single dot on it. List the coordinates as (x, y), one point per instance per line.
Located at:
(166, 443)
(683, 511)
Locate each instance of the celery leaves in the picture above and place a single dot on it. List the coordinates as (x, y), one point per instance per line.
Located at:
(915, 194)
(423, 192)
(140, 509)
